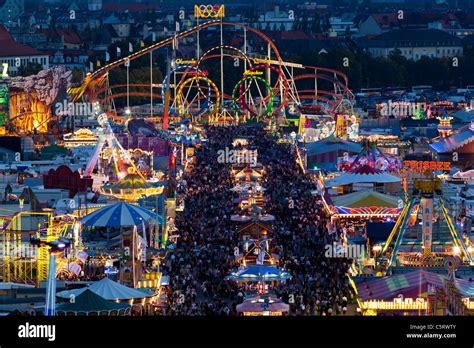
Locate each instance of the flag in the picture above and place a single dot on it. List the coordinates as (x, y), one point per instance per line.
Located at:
(107, 56)
(91, 66)
(142, 44)
(119, 52)
(98, 62)
(130, 47)
(144, 232)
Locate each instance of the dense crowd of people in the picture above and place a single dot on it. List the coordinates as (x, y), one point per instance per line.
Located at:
(204, 253)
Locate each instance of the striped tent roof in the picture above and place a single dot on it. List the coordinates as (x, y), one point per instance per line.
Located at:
(362, 174)
(259, 272)
(89, 301)
(463, 136)
(366, 198)
(410, 284)
(44, 139)
(131, 181)
(109, 290)
(258, 305)
(331, 143)
(119, 214)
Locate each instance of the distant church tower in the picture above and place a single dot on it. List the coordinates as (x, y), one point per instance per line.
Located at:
(445, 128)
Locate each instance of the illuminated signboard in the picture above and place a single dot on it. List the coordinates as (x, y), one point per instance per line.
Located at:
(4, 71)
(419, 166)
(249, 73)
(198, 73)
(397, 304)
(180, 61)
(262, 61)
(209, 11)
(3, 103)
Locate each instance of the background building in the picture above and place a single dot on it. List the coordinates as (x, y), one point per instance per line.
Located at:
(18, 55)
(10, 9)
(416, 43)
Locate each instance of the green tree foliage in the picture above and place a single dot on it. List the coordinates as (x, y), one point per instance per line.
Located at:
(30, 69)
(394, 70)
(315, 24)
(139, 72)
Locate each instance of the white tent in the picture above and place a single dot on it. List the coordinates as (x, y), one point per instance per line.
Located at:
(363, 174)
(109, 290)
(468, 175)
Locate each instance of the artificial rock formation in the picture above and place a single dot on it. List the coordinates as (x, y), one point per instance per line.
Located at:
(32, 98)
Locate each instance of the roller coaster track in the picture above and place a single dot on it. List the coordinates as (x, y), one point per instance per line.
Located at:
(181, 35)
(283, 66)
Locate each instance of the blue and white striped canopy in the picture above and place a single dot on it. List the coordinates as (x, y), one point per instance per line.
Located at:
(259, 272)
(119, 214)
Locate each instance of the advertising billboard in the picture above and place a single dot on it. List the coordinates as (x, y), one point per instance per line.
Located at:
(3, 103)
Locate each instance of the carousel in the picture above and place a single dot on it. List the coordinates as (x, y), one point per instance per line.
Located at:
(132, 187)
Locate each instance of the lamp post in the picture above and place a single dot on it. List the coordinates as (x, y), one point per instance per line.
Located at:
(376, 249)
(56, 247)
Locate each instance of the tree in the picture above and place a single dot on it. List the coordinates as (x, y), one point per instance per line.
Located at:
(315, 24)
(30, 69)
(348, 30)
(77, 76)
(296, 24)
(304, 24)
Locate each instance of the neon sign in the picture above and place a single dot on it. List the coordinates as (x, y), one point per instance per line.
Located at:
(397, 304)
(418, 166)
(264, 61)
(4, 70)
(252, 73)
(198, 73)
(180, 61)
(209, 11)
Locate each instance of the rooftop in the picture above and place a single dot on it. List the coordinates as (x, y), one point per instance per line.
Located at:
(11, 48)
(69, 35)
(420, 37)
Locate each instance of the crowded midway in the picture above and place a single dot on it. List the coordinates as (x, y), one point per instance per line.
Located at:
(198, 265)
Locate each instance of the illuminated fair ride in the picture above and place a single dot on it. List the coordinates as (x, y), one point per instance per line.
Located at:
(268, 86)
(131, 187)
(421, 210)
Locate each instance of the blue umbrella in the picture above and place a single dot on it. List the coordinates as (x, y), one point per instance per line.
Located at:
(119, 214)
(257, 273)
